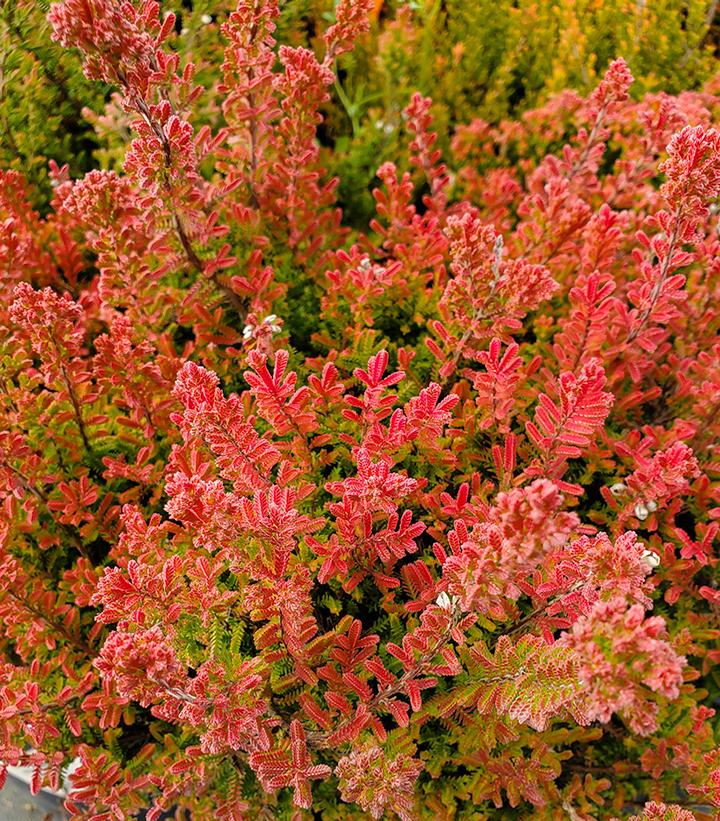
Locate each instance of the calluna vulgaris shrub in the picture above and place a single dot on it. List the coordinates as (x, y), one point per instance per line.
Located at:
(487, 58)
(416, 520)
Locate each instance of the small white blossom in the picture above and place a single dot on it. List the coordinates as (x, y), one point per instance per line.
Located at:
(444, 601)
(271, 321)
(651, 559)
(641, 511)
(618, 489)
(206, 19)
(651, 505)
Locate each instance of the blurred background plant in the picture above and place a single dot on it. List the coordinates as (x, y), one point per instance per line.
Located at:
(487, 58)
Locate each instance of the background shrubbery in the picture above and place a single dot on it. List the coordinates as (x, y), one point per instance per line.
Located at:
(491, 60)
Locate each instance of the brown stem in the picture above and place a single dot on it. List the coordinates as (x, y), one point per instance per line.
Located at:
(76, 409)
(254, 135)
(581, 160)
(659, 282)
(78, 643)
(237, 303)
(321, 740)
(538, 611)
(194, 260)
(481, 313)
(35, 491)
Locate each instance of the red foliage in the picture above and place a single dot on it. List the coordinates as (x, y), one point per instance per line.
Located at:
(415, 544)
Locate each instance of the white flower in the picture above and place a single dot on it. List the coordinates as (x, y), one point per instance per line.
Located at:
(651, 559)
(618, 489)
(206, 19)
(641, 511)
(651, 505)
(271, 321)
(248, 331)
(386, 128)
(443, 600)
(446, 602)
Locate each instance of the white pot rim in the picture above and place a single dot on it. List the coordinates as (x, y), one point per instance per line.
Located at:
(25, 774)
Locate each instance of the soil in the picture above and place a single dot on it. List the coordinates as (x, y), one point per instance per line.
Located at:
(17, 804)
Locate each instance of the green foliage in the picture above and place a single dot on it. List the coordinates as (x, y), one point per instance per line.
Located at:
(43, 96)
(487, 58)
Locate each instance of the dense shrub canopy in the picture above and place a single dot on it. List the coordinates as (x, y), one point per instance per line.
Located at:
(358, 453)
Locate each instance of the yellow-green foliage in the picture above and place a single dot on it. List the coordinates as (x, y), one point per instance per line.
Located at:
(494, 58)
(490, 57)
(42, 97)
(485, 58)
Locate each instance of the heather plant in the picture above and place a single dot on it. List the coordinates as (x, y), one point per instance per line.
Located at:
(479, 59)
(42, 98)
(490, 59)
(416, 519)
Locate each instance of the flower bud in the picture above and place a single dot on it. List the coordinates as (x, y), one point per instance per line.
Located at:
(444, 601)
(651, 559)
